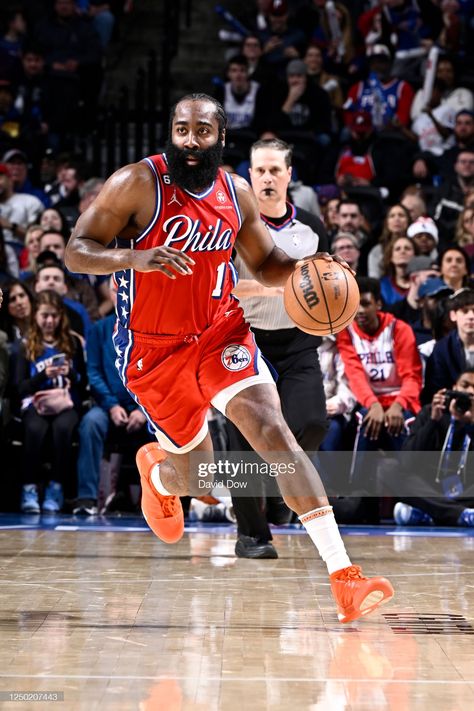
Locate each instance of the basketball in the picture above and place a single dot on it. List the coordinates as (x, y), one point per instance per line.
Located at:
(321, 297)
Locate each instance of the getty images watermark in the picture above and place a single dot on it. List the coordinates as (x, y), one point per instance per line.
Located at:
(235, 474)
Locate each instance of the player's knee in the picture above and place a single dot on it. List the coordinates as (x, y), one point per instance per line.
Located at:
(275, 435)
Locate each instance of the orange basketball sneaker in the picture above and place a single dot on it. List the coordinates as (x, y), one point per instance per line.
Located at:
(164, 514)
(356, 595)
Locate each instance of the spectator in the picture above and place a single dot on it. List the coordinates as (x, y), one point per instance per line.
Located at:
(8, 261)
(458, 99)
(73, 56)
(434, 126)
(383, 368)
(32, 98)
(450, 197)
(331, 216)
(455, 352)
(16, 311)
(455, 268)
(17, 162)
(13, 32)
(32, 248)
(345, 245)
(51, 276)
(88, 192)
(17, 210)
(414, 202)
(103, 19)
(440, 490)
(115, 415)
(340, 400)
(338, 51)
(408, 309)
(463, 140)
(465, 227)
(253, 52)
(11, 126)
(313, 59)
(301, 106)
(395, 283)
(432, 294)
(281, 41)
(52, 219)
(238, 95)
(70, 183)
(424, 234)
(51, 360)
(356, 165)
(395, 225)
(350, 219)
(387, 99)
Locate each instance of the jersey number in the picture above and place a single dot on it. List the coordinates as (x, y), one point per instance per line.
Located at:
(221, 270)
(377, 375)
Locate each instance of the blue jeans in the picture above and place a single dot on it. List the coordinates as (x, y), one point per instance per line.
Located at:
(92, 435)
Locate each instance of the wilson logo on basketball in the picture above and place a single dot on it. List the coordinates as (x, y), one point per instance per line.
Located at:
(221, 196)
(307, 287)
(235, 357)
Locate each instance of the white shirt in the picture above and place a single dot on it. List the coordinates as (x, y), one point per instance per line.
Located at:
(429, 139)
(21, 209)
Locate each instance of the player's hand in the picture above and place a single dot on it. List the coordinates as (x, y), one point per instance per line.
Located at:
(329, 258)
(1, 297)
(118, 415)
(162, 259)
(394, 421)
(373, 421)
(136, 420)
(438, 404)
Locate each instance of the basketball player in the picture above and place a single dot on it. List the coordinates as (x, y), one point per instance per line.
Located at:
(181, 339)
(291, 352)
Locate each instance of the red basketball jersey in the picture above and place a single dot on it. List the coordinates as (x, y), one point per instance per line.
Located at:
(203, 226)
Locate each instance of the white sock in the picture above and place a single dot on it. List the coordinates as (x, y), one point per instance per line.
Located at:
(322, 528)
(156, 481)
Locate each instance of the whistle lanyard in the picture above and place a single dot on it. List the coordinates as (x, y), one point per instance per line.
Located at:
(446, 452)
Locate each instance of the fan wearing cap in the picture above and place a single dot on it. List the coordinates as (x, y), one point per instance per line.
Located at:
(387, 99)
(419, 269)
(355, 165)
(455, 352)
(424, 234)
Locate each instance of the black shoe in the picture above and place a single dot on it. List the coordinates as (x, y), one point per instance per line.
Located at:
(85, 507)
(248, 547)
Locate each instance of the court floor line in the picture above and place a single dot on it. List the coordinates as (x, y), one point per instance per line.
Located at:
(264, 679)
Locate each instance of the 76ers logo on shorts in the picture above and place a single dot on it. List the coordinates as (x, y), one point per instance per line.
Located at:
(235, 357)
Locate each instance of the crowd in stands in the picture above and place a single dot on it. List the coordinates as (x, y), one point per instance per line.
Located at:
(377, 102)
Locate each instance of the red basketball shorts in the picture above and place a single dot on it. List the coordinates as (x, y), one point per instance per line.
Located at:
(175, 379)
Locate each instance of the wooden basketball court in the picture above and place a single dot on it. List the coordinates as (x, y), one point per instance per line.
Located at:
(107, 617)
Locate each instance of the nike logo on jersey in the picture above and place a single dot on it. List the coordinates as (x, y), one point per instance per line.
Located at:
(184, 234)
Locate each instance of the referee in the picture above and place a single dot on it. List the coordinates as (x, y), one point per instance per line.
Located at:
(291, 352)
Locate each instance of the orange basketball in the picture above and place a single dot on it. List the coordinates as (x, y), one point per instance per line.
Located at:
(321, 297)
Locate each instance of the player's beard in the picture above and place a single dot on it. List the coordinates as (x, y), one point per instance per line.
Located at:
(197, 177)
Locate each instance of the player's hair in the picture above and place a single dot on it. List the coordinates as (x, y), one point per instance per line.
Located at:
(367, 285)
(277, 144)
(220, 114)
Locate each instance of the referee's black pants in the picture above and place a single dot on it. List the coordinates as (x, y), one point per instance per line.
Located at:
(294, 357)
